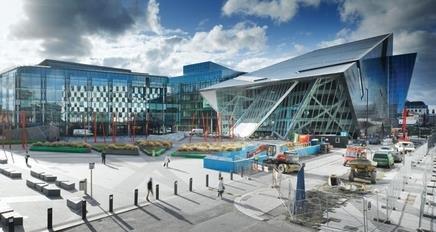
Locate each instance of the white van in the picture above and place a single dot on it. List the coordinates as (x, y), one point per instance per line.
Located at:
(405, 147)
(82, 132)
(197, 131)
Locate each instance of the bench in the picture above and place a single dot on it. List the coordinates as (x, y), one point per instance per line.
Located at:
(10, 173)
(32, 183)
(18, 219)
(3, 161)
(39, 186)
(51, 191)
(65, 184)
(36, 174)
(43, 176)
(75, 203)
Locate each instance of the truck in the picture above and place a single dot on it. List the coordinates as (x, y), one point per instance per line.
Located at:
(285, 162)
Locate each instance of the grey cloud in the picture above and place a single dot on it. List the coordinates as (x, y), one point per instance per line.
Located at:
(64, 25)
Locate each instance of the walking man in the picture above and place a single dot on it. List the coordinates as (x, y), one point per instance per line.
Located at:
(149, 188)
(26, 158)
(166, 161)
(103, 157)
(221, 188)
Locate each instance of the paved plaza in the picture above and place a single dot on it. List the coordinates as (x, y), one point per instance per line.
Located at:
(250, 204)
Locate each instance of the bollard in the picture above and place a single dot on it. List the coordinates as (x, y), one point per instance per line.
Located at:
(207, 180)
(190, 184)
(157, 192)
(135, 200)
(111, 203)
(50, 218)
(11, 224)
(219, 176)
(231, 175)
(175, 187)
(83, 210)
(242, 172)
(263, 167)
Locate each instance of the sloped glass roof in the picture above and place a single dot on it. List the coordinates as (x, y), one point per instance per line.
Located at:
(322, 61)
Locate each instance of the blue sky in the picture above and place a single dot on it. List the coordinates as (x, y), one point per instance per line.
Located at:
(160, 36)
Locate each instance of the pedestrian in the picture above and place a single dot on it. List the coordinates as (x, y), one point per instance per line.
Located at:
(149, 188)
(26, 158)
(221, 188)
(275, 174)
(103, 157)
(167, 161)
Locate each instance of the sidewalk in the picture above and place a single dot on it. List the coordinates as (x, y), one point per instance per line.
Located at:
(194, 211)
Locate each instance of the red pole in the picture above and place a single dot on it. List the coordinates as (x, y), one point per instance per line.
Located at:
(95, 126)
(134, 127)
(103, 131)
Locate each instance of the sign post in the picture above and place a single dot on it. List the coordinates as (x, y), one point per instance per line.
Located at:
(91, 167)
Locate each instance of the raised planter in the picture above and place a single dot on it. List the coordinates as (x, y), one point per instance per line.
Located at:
(121, 152)
(64, 149)
(189, 154)
(149, 150)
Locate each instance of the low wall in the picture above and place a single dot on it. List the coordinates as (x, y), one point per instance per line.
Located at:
(309, 150)
(61, 149)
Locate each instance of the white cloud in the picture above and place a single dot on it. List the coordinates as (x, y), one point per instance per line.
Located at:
(152, 17)
(167, 53)
(278, 10)
(412, 23)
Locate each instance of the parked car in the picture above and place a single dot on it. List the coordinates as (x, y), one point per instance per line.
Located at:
(405, 147)
(383, 159)
(397, 156)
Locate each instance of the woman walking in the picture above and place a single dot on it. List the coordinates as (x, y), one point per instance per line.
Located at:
(221, 188)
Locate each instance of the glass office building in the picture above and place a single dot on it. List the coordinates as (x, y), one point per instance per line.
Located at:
(72, 96)
(355, 88)
(186, 109)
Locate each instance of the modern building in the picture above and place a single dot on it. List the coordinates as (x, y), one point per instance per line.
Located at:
(77, 96)
(355, 88)
(186, 109)
(417, 107)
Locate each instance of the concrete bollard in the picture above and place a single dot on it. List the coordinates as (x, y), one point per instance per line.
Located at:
(231, 175)
(111, 203)
(157, 192)
(207, 180)
(50, 218)
(83, 210)
(190, 184)
(135, 199)
(11, 224)
(175, 187)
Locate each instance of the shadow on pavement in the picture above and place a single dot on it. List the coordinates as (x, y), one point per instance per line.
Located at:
(152, 215)
(232, 186)
(90, 227)
(178, 170)
(173, 213)
(127, 225)
(195, 202)
(111, 166)
(203, 195)
(170, 205)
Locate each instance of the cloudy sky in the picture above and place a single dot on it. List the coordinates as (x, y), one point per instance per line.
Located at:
(160, 36)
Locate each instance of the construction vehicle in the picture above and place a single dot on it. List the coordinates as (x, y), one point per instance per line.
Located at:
(362, 168)
(285, 162)
(354, 152)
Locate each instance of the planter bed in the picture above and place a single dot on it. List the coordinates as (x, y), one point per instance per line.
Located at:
(121, 152)
(149, 150)
(189, 154)
(65, 149)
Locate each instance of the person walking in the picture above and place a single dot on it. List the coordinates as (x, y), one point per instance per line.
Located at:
(149, 188)
(167, 161)
(26, 158)
(103, 158)
(221, 188)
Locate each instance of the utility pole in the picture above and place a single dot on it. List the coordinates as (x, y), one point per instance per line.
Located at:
(367, 115)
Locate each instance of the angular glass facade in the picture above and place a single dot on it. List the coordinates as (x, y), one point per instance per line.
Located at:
(71, 96)
(352, 88)
(186, 109)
